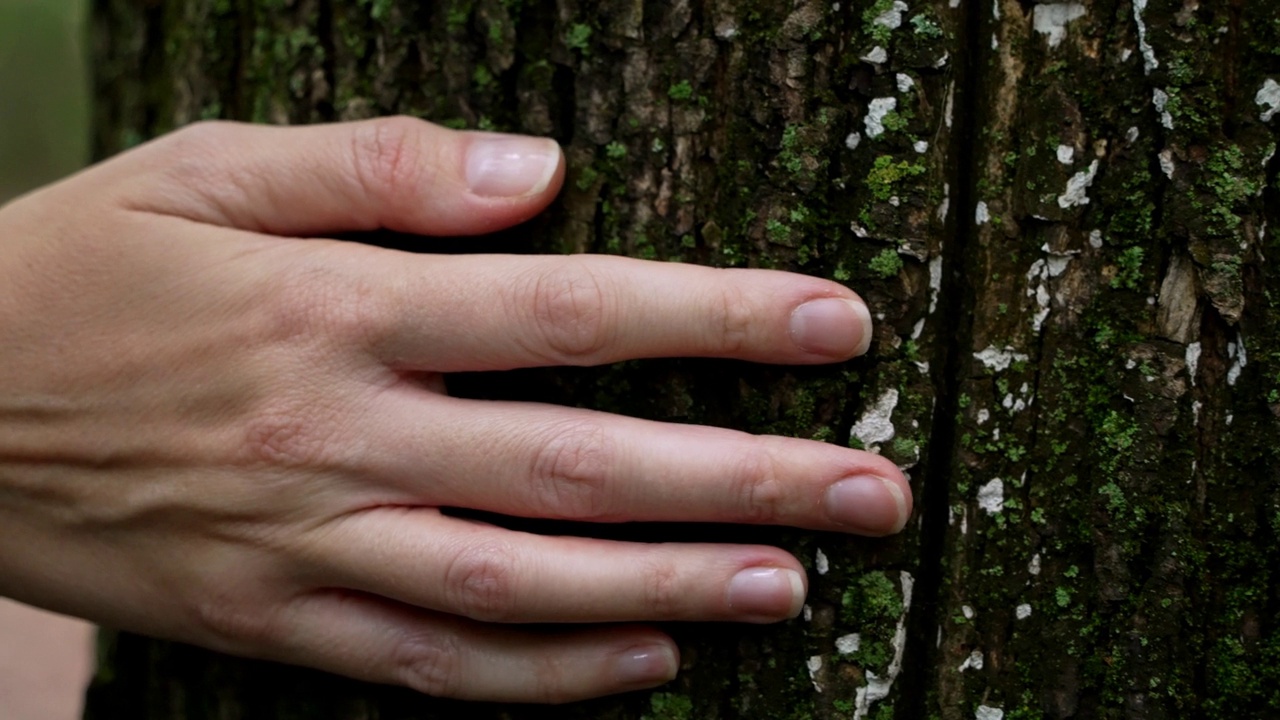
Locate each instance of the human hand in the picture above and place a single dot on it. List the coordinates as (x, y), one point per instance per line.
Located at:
(215, 431)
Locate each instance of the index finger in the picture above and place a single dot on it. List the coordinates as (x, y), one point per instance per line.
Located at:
(497, 312)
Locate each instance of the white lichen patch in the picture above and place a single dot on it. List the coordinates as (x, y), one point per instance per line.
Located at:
(1051, 20)
(968, 612)
(1268, 98)
(981, 213)
(991, 496)
(1077, 188)
(1038, 277)
(905, 83)
(1192, 358)
(892, 18)
(877, 56)
(1041, 294)
(848, 644)
(983, 416)
(1160, 100)
(948, 108)
(1057, 263)
(853, 140)
(820, 562)
(877, 688)
(1235, 351)
(1033, 567)
(944, 207)
(935, 281)
(1149, 61)
(875, 115)
(1131, 136)
(1066, 153)
(999, 360)
(814, 666)
(921, 146)
(876, 424)
(986, 712)
(1022, 612)
(1166, 162)
(973, 662)
(1095, 239)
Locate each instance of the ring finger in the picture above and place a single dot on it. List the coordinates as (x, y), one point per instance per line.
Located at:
(424, 558)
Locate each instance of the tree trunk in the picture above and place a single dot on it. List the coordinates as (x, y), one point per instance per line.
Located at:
(1058, 214)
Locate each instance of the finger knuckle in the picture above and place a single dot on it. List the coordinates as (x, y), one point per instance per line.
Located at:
(314, 302)
(199, 138)
(481, 582)
(429, 663)
(662, 591)
(570, 471)
(732, 319)
(570, 305)
(282, 436)
(227, 621)
(549, 680)
(391, 158)
(758, 485)
(193, 162)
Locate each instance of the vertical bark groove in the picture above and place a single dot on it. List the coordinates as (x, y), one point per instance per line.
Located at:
(926, 626)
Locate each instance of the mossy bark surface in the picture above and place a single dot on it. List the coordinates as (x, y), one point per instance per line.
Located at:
(1063, 217)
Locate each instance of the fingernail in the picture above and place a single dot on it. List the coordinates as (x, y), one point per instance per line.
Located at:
(645, 666)
(832, 326)
(510, 165)
(766, 594)
(867, 504)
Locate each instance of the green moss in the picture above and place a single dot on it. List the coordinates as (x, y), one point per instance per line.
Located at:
(896, 121)
(1229, 182)
(873, 596)
(578, 37)
(925, 27)
(885, 174)
(669, 706)
(379, 9)
(587, 178)
(615, 150)
(1129, 273)
(457, 16)
(887, 264)
(680, 91)
(878, 33)
(482, 77)
(778, 231)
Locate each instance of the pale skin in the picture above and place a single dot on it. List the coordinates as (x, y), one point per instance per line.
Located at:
(218, 428)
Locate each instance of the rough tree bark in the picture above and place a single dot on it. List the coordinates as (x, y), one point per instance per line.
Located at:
(1059, 214)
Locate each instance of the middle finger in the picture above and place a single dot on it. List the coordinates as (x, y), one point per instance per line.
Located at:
(544, 461)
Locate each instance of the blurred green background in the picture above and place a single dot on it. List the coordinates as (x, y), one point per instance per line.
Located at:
(43, 92)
